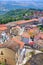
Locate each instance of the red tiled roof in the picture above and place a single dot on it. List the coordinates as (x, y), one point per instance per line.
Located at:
(40, 35)
(26, 21)
(3, 27)
(26, 35)
(18, 42)
(31, 43)
(18, 27)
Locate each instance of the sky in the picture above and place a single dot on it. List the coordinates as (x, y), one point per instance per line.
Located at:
(36, 3)
(23, 0)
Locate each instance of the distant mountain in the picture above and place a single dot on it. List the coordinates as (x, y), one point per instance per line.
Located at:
(6, 6)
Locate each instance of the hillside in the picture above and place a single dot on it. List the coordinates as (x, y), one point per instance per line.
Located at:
(6, 6)
(15, 15)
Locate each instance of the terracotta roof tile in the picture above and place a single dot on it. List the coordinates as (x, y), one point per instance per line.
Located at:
(18, 27)
(3, 27)
(40, 35)
(26, 35)
(26, 21)
(18, 42)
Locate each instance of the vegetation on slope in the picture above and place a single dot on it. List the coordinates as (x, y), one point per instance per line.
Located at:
(41, 27)
(15, 15)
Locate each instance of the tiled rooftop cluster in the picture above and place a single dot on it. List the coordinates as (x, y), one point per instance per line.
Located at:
(21, 32)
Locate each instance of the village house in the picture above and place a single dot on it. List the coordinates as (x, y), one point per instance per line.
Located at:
(40, 20)
(38, 14)
(23, 23)
(3, 35)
